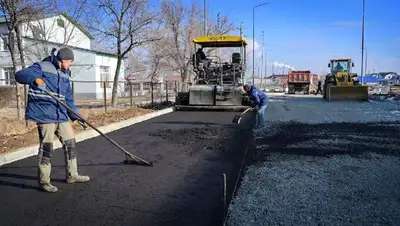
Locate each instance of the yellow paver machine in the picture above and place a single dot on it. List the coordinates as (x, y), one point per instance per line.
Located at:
(219, 75)
(342, 84)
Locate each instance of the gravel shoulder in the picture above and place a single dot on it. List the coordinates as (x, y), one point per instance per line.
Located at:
(191, 152)
(320, 163)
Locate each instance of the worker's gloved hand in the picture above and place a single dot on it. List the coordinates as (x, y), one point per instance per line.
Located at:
(40, 84)
(82, 124)
(255, 108)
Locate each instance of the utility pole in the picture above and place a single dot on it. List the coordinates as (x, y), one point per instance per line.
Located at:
(362, 43)
(366, 61)
(262, 57)
(218, 33)
(273, 67)
(266, 65)
(254, 48)
(242, 53)
(254, 9)
(205, 18)
(217, 28)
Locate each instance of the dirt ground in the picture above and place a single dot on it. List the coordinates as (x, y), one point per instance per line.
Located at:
(16, 135)
(321, 163)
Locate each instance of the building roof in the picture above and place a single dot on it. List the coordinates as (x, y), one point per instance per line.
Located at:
(100, 53)
(69, 18)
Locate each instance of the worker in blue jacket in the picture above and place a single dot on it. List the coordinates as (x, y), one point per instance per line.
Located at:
(52, 74)
(260, 102)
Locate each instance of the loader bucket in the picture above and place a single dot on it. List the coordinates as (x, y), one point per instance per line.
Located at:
(358, 93)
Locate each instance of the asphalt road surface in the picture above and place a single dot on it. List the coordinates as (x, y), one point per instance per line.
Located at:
(321, 163)
(191, 152)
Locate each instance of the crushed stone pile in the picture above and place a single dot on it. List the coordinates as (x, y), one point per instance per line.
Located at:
(321, 174)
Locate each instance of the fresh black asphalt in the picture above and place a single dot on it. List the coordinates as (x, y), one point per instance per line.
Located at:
(191, 152)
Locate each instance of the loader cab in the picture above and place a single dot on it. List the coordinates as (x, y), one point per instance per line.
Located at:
(340, 65)
(341, 72)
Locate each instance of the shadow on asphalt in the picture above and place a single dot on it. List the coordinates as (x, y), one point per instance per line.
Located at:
(22, 178)
(17, 185)
(62, 166)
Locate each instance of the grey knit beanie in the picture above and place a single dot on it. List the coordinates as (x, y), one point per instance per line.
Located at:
(65, 54)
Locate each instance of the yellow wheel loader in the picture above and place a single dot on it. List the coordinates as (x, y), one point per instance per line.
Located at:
(218, 82)
(342, 84)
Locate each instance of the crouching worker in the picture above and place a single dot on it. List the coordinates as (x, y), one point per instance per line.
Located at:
(260, 102)
(52, 74)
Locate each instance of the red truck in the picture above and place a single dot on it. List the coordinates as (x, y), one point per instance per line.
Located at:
(299, 81)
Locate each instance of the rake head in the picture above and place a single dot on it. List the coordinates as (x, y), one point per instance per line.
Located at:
(139, 163)
(237, 119)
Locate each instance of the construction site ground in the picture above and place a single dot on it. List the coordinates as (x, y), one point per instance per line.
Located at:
(191, 153)
(321, 163)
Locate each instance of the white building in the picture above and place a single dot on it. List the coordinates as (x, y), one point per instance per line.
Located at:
(90, 69)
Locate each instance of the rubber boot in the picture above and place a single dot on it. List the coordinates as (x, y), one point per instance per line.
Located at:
(44, 171)
(72, 173)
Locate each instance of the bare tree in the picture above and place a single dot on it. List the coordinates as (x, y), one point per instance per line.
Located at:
(124, 23)
(16, 12)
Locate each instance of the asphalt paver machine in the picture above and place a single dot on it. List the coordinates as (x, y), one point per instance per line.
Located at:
(218, 82)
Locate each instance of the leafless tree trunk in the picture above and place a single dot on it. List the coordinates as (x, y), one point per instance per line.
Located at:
(127, 29)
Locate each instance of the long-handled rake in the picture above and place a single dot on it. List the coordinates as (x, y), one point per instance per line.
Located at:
(130, 158)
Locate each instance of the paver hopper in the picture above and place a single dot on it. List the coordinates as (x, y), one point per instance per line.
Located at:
(217, 84)
(340, 83)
